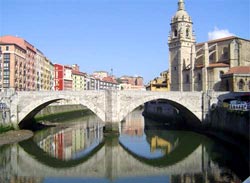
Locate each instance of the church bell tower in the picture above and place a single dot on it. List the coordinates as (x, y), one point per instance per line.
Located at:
(181, 42)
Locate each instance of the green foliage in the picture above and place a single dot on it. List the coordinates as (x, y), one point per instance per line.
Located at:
(4, 128)
(64, 116)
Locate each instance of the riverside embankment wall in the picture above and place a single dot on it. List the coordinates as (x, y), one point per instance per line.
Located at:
(55, 109)
(232, 122)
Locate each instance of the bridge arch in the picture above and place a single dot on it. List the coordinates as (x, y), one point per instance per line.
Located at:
(27, 113)
(189, 111)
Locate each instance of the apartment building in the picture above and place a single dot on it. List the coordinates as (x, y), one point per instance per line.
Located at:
(131, 83)
(17, 68)
(63, 77)
(78, 78)
(22, 66)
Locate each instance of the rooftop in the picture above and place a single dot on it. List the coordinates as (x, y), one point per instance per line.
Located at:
(239, 70)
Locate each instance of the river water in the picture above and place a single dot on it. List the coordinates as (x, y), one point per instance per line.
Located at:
(77, 150)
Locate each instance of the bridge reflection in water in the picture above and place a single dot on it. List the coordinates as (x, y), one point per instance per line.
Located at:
(142, 153)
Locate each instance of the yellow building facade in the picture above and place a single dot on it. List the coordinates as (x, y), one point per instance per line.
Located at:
(160, 83)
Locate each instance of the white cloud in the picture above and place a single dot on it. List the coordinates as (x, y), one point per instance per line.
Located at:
(219, 33)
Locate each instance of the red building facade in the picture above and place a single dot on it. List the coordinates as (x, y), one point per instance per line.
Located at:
(63, 77)
(59, 70)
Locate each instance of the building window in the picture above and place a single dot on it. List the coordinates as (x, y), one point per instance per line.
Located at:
(221, 73)
(187, 32)
(241, 85)
(211, 57)
(225, 53)
(175, 33)
(7, 48)
(187, 78)
(227, 85)
(199, 76)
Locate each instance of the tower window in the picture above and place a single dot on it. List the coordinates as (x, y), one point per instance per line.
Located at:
(175, 33)
(187, 32)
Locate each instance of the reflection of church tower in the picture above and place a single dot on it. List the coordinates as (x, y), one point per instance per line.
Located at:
(181, 50)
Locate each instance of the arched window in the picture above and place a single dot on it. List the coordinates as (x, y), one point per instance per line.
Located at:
(199, 76)
(225, 53)
(187, 32)
(175, 33)
(187, 78)
(221, 73)
(241, 85)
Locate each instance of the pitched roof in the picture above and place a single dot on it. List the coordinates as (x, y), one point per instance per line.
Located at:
(109, 80)
(18, 41)
(75, 72)
(212, 65)
(239, 70)
(218, 40)
(13, 40)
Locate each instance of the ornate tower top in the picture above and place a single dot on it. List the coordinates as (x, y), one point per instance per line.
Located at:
(181, 13)
(181, 25)
(181, 5)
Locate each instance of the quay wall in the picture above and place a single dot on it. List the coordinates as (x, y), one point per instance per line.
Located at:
(232, 122)
(5, 117)
(60, 108)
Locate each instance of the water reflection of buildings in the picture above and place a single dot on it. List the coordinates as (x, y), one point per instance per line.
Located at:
(187, 161)
(25, 180)
(68, 143)
(133, 124)
(159, 143)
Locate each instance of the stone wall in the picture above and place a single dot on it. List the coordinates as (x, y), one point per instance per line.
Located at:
(5, 117)
(54, 109)
(232, 122)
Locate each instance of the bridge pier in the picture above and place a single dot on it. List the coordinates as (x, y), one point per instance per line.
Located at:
(111, 128)
(111, 113)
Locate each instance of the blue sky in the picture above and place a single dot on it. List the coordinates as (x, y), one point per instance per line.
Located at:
(129, 36)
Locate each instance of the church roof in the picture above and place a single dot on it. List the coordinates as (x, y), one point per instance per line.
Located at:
(219, 64)
(220, 40)
(239, 70)
(212, 65)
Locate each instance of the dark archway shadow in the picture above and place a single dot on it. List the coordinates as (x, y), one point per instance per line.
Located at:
(186, 116)
(40, 155)
(184, 149)
(28, 121)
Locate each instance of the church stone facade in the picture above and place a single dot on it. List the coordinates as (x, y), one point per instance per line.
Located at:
(204, 66)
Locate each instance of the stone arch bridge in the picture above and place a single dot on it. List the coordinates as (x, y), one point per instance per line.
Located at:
(111, 106)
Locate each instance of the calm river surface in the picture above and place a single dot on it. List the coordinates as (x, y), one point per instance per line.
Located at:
(76, 150)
